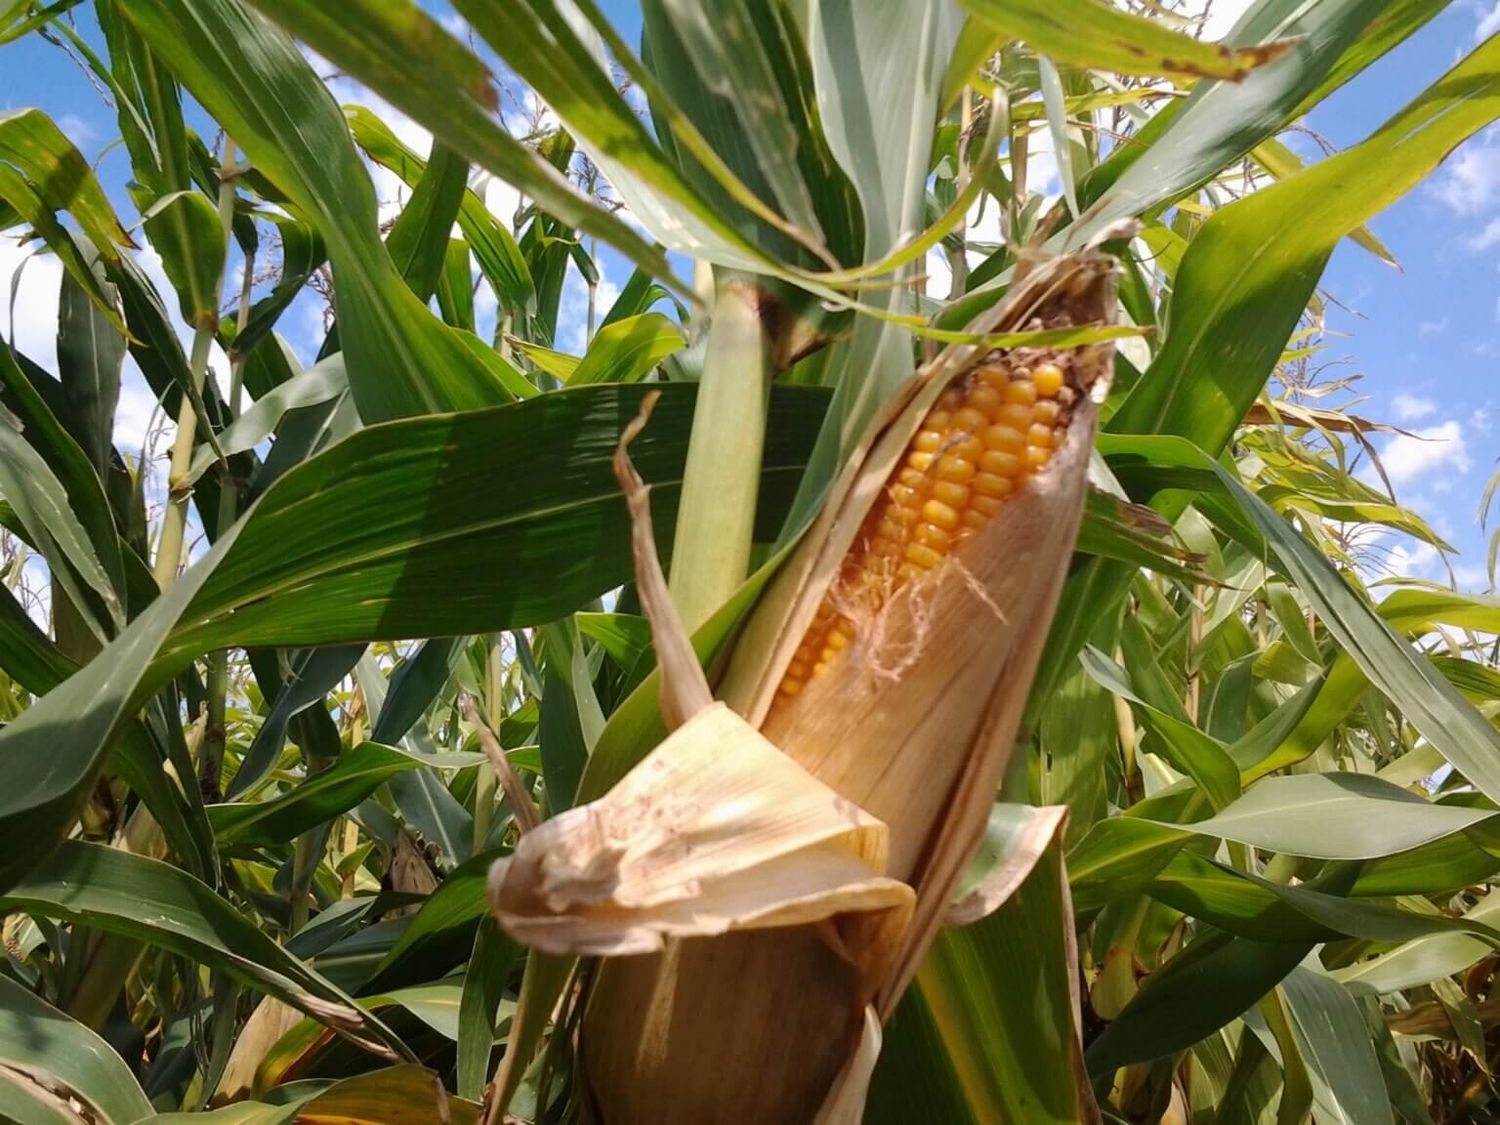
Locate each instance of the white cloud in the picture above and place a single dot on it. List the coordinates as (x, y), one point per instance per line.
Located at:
(1471, 578)
(76, 129)
(1469, 181)
(1409, 407)
(1486, 238)
(35, 278)
(939, 276)
(1222, 17)
(1406, 458)
(501, 198)
(1489, 23)
(1432, 327)
(1421, 560)
(1041, 166)
(1480, 419)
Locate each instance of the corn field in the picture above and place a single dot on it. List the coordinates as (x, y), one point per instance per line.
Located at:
(863, 668)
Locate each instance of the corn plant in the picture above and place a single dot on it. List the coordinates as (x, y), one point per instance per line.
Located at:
(890, 674)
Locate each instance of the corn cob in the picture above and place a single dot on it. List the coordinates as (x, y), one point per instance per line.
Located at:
(891, 662)
(987, 434)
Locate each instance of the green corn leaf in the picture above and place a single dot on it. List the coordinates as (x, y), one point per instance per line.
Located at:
(441, 933)
(35, 1034)
(323, 796)
(1251, 270)
(398, 49)
(1348, 1087)
(1198, 991)
(253, 79)
(627, 350)
(371, 525)
(185, 230)
(140, 898)
(1089, 33)
(42, 174)
(1015, 1053)
(90, 354)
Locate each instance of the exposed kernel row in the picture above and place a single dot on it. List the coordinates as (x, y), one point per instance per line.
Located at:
(978, 444)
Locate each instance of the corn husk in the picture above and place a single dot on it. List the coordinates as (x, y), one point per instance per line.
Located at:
(716, 830)
(911, 732)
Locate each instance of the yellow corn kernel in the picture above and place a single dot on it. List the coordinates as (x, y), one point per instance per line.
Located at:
(969, 420)
(995, 376)
(954, 469)
(1005, 438)
(1000, 464)
(1021, 391)
(934, 537)
(985, 399)
(940, 514)
(954, 495)
(928, 441)
(963, 445)
(988, 484)
(1015, 415)
(1048, 379)
(979, 444)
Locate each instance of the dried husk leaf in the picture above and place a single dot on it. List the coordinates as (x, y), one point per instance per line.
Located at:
(845, 1104)
(270, 1020)
(914, 727)
(716, 830)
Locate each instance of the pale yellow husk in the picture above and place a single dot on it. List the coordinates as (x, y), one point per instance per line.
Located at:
(716, 830)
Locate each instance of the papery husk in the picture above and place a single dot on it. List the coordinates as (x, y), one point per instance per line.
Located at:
(716, 830)
(914, 727)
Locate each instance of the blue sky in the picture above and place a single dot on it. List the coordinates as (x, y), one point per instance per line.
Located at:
(1425, 340)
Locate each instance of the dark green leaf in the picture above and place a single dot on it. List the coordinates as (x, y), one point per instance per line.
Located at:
(35, 1034)
(117, 892)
